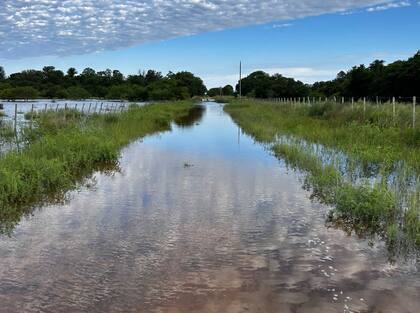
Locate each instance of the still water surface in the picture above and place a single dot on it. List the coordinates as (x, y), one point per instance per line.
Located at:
(199, 219)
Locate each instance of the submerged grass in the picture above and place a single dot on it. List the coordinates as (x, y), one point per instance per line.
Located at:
(328, 136)
(66, 145)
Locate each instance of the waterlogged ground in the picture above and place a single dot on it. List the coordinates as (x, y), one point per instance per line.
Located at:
(26, 106)
(200, 219)
(11, 136)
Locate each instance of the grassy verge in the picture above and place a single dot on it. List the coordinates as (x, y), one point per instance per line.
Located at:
(372, 135)
(65, 146)
(327, 141)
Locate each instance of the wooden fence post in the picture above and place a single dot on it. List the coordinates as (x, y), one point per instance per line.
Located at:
(393, 109)
(364, 105)
(15, 117)
(414, 112)
(32, 115)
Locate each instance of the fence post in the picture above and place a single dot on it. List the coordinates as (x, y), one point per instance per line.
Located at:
(414, 112)
(352, 103)
(15, 116)
(364, 105)
(45, 107)
(393, 109)
(32, 115)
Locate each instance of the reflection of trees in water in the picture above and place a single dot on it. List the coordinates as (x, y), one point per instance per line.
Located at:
(194, 116)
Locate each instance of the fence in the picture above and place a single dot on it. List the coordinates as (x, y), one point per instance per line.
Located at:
(15, 112)
(365, 102)
(16, 116)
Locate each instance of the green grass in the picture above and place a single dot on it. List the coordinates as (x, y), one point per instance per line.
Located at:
(329, 142)
(372, 136)
(6, 131)
(65, 146)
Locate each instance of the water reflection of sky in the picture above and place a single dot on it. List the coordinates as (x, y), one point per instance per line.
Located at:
(232, 233)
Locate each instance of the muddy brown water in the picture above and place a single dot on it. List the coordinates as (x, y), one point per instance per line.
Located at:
(199, 219)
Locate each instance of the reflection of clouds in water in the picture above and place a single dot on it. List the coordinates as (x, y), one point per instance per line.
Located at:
(230, 233)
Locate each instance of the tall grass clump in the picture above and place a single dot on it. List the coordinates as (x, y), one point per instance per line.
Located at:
(65, 146)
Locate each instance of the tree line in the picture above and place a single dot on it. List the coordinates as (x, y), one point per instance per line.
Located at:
(400, 78)
(109, 84)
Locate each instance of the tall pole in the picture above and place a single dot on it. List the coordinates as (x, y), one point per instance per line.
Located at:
(240, 80)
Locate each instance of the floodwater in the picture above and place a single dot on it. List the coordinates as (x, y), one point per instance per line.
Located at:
(199, 219)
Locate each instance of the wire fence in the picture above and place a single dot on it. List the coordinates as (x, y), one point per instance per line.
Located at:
(393, 105)
(15, 117)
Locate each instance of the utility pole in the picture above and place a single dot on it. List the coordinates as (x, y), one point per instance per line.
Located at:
(240, 80)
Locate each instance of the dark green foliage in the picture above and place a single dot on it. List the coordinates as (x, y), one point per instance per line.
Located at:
(194, 85)
(400, 78)
(111, 84)
(261, 85)
(2, 74)
(77, 93)
(221, 92)
(19, 93)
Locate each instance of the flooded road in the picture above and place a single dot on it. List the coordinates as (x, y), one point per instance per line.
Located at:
(199, 219)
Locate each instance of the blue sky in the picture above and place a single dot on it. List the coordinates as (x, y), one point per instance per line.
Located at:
(306, 40)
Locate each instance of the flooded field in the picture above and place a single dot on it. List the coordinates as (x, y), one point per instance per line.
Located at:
(26, 106)
(199, 219)
(13, 120)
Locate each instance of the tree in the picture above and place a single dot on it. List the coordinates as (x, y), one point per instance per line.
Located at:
(71, 72)
(194, 85)
(153, 76)
(261, 85)
(120, 92)
(214, 92)
(117, 77)
(2, 73)
(19, 93)
(227, 90)
(77, 93)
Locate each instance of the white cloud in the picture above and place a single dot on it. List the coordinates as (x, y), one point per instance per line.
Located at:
(285, 25)
(393, 5)
(52, 27)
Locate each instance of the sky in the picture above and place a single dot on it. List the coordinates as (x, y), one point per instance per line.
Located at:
(307, 40)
